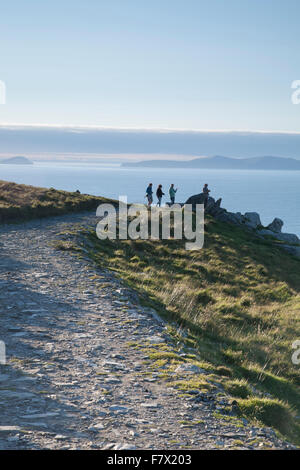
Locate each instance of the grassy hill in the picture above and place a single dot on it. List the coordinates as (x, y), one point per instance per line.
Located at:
(20, 202)
(239, 299)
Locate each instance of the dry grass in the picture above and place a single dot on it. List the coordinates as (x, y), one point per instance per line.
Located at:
(20, 202)
(238, 297)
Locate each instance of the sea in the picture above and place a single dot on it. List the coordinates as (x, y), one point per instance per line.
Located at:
(270, 193)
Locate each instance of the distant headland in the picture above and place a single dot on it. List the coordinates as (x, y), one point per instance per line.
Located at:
(223, 163)
(17, 161)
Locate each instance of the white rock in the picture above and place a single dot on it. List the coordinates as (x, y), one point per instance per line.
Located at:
(9, 428)
(96, 427)
(123, 446)
(189, 369)
(155, 339)
(40, 415)
(150, 405)
(112, 380)
(119, 409)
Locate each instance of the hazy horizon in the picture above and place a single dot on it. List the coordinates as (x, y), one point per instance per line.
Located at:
(133, 144)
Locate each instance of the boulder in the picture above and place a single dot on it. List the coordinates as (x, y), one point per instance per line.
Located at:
(252, 219)
(239, 217)
(197, 199)
(285, 237)
(229, 217)
(266, 232)
(216, 211)
(288, 238)
(170, 204)
(293, 250)
(213, 207)
(276, 225)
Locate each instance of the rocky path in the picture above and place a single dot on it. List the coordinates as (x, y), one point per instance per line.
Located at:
(72, 380)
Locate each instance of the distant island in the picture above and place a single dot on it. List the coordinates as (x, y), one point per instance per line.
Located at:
(17, 161)
(223, 163)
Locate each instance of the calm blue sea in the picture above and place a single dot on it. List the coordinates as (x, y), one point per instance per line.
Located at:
(271, 193)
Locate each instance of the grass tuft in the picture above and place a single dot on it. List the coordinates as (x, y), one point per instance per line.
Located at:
(271, 412)
(238, 388)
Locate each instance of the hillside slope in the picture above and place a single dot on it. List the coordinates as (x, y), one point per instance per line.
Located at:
(238, 298)
(85, 362)
(21, 202)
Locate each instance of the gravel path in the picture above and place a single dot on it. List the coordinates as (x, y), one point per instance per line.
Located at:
(72, 380)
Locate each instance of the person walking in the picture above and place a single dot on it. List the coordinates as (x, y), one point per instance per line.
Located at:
(172, 192)
(149, 194)
(206, 192)
(159, 194)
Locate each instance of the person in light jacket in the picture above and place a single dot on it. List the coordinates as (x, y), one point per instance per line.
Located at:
(172, 192)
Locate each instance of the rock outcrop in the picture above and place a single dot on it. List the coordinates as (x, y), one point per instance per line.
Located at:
(250, 221)
(284, 237)
(276, 225)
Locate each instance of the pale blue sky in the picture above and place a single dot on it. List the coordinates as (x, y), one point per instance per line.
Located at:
(215, 64)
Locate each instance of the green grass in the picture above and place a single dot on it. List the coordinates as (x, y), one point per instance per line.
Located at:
(270, 412)
(239, 299)
(238, 388)
(21, 202)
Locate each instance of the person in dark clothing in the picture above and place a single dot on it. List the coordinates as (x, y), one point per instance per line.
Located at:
(206, 192)
(149, 194)
(159, 194)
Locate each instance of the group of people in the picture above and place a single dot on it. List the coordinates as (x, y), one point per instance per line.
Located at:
(172, 193)
(160, 194)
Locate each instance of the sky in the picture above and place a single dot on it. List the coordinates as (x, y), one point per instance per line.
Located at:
(167, 64)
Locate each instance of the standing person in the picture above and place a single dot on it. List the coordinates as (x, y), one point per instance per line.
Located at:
(172, 192)
(149, 194)
(159, 194)
(206, 192)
